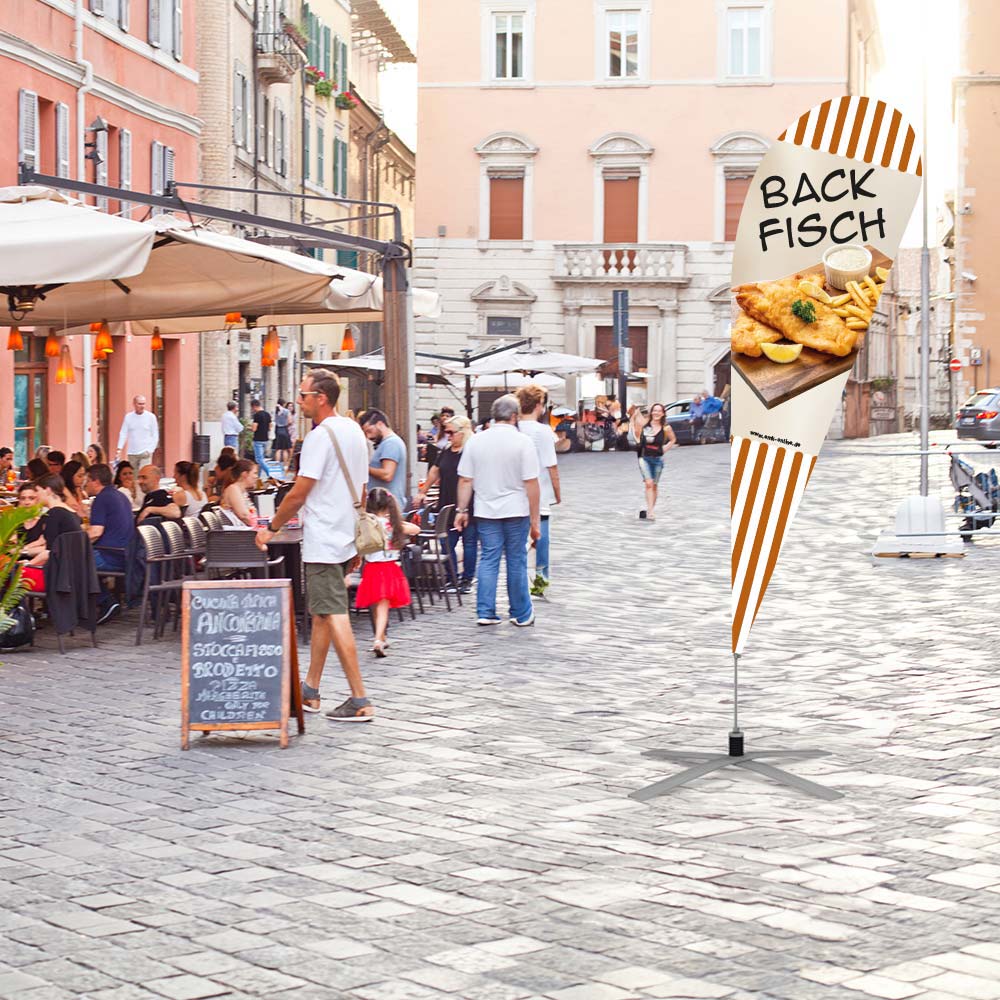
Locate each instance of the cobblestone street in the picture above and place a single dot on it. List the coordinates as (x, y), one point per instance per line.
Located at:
(477, 840)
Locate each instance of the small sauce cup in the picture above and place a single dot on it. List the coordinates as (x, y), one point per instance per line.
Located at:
(848, 262)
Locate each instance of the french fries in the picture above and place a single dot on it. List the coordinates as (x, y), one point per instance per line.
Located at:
(873, 288)
(856, 324)
(858, 313)
(856, 293)
(840, 300)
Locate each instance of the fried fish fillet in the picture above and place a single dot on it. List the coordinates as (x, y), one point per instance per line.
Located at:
(770, 302)
(747, 335)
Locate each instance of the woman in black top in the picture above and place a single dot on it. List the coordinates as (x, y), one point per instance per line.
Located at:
(655, 437)
(58, 520)
(458, 430)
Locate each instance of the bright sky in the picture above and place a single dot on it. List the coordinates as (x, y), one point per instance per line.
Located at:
(399, 83)
(906, 34)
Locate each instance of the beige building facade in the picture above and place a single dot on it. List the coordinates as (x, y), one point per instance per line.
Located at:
(977, 199)
(597, 146)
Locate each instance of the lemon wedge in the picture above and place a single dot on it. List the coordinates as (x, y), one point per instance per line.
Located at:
(782, 353)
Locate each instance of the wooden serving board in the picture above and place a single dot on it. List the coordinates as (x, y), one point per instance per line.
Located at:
(774, 384)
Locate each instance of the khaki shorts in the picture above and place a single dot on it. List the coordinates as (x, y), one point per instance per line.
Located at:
(326, 588)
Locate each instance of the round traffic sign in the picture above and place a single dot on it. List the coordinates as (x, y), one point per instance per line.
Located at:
(955, 365)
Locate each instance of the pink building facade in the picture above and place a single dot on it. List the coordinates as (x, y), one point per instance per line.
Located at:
(63, 65)
(584, 147)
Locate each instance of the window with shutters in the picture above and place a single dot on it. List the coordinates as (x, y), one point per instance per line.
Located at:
(62, 140)
(125, 166)
(27, 129)
(737, 186)
(326, 66)
(263, 129)
(280, 127)
(506, 206)
(335, 79)
(156, 168)
(101, 166)
(320, 155)
(177, 29)
(154, 22)
(242, 118)
(306, 144)
(335, 185)
(343, 168)
(344, 84)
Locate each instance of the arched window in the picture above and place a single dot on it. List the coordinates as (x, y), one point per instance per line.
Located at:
(736, 155)
(505, 186)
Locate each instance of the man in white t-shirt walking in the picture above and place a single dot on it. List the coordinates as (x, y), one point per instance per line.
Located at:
(502, 467)
(328, 552)
(140, 434)
(532, 399)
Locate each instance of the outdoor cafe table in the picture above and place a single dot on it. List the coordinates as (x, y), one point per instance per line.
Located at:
(288, 544)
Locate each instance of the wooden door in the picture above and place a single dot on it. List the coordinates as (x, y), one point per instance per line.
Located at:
(604, 348)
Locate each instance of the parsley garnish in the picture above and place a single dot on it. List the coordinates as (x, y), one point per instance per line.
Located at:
(805, 311)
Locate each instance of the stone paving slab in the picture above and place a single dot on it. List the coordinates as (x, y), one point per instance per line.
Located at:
(477, 841)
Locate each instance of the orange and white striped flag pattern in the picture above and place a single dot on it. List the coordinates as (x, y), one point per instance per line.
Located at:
(861, 129)
(767, 484)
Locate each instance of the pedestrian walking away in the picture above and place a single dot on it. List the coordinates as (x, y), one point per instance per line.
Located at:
(140, 434)
(383, 585)
(655, 438)
(388, 462)
(324, 495)
(232, 426)
(502, 467)
(282, 437)
(532, 400)
(261, 433)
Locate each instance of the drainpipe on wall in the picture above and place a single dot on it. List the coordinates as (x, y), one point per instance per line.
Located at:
(82, 90)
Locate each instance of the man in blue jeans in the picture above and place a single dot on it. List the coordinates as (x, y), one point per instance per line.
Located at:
(112, 527)
(502, 466)
(261, 434)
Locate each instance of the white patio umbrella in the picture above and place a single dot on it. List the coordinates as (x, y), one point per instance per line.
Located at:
(533, 361)
(515, 380)
(189, 279)
(47, 239)
(374, 364)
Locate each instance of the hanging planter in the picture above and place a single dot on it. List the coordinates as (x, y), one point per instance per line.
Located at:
(297, 35)
(323, 88)
(346, 101)
(314, 74)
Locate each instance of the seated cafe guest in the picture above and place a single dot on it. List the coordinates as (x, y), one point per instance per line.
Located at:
(95, 454)
(37, 470)
(79, 456)
(219, 478)
(55, 461)
(236, 502)
(59, 519)
(112, 528)
(74, 475)
(188, 495)
(125, 483)
(156, 502)
(27, 496)
(6, 463)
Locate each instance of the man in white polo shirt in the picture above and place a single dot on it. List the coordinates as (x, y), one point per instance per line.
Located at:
(328, 551)
(502, 466)
(140, 435)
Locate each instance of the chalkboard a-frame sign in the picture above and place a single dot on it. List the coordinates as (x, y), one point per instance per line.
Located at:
(239, 658)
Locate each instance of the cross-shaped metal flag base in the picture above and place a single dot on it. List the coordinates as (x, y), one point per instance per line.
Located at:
(705, 763)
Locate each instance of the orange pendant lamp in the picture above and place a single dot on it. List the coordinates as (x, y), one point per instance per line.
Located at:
(104, 345)
(52, 344)
(65, 374)
(270, 348)
(233, 319)
(15, 342)
(347, 344)
(156, 341)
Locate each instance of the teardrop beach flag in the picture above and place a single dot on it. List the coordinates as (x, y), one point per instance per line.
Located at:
(820, 227)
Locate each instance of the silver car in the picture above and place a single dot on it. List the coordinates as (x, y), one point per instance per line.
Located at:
(979, 416)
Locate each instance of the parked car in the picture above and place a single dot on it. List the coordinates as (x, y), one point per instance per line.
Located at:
(979, 416)
(679, 418)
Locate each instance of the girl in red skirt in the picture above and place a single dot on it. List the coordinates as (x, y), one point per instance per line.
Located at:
(383, 585)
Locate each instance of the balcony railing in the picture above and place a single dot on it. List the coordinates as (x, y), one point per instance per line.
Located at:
(640, 262)
(278, 56)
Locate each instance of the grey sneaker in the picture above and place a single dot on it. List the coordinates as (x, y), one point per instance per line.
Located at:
(352, 710)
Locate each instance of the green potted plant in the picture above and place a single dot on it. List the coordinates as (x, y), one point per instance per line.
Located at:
(12, 589)
(346, 100)
(322, 88)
